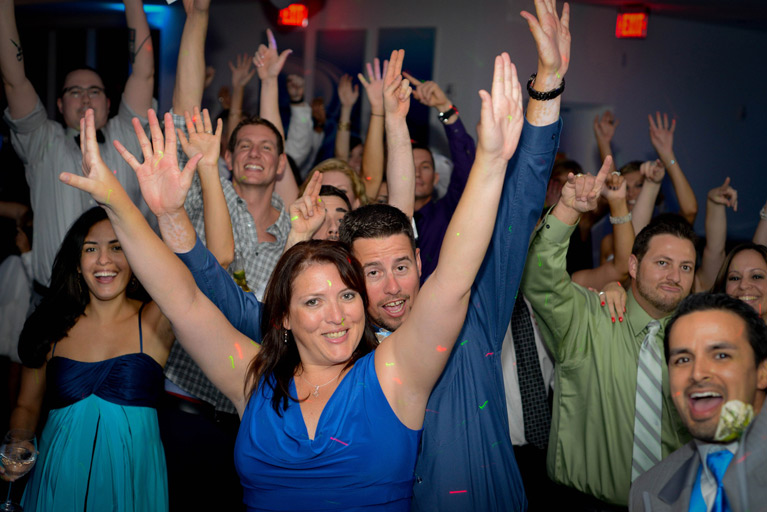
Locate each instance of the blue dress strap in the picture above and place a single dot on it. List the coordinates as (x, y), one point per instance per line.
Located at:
(140, 334)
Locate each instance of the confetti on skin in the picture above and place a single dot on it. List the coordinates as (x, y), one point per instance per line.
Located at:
(540, 263)
(397, 381)
(231, 358)
(338, 441)
(458, 492)
(510, 117)
(109, 193)
(489, 354)
(389, 364)
(457, 234)
(368, 178)
(441, 348)
(293, 218)
(319, 199)
(329, 285)
(239, 350)
(483, 405)
(557, 73)
(464, 342)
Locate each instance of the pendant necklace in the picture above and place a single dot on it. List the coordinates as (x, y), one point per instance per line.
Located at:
(316, 392)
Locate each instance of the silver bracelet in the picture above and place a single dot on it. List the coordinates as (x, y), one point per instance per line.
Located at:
(763, 212)
(620, 220)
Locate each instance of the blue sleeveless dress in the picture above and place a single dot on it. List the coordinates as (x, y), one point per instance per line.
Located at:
(100, 448)
(361, 458)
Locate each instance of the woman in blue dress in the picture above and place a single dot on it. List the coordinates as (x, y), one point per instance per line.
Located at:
(328, 423)
(94, 349)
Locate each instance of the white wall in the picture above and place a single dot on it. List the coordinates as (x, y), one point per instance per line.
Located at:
(708, 76)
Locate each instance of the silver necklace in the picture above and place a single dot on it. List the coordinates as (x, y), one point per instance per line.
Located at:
(316, 392)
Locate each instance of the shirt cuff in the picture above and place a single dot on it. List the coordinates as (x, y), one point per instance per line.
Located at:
(196, 258)
(554, 230)
(540, 140)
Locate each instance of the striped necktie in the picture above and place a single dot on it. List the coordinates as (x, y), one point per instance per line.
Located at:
(648, 405)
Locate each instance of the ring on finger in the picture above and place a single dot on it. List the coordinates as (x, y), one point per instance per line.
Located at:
(601, 293)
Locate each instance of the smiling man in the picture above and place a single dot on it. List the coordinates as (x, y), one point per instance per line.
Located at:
(716, 349)
(612, 417)
(48, 148)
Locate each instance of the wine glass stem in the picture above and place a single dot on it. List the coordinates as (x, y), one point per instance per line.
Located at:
(8, 498)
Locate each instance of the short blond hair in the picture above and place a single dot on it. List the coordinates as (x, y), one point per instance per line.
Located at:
(338, 165)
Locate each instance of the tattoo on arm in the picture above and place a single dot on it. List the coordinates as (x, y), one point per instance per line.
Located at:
(19, 51)
(132, 44)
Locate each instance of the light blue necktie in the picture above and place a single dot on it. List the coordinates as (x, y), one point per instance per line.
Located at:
(717, 462)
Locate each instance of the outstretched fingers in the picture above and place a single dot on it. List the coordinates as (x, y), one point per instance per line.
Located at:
(599, 182)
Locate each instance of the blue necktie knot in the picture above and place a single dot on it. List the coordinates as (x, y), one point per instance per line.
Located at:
(717, 462)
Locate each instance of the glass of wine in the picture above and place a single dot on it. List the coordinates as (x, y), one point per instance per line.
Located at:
(18, 454)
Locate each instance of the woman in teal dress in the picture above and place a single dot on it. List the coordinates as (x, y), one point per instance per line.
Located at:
(94, 350)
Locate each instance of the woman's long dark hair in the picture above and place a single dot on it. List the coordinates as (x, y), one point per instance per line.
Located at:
(67, 296)
(277, 362)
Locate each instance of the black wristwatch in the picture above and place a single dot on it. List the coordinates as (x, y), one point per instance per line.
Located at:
(447, 114)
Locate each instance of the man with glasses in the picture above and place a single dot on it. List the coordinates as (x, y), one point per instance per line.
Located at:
(47, 148)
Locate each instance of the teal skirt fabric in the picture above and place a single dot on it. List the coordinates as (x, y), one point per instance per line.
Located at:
(96, 455)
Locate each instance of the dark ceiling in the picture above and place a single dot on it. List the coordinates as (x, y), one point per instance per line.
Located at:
(751, 14)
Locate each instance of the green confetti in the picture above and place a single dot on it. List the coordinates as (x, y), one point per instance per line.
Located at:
(546, 302)
(231, 358)
(483, 405)
(464, 342)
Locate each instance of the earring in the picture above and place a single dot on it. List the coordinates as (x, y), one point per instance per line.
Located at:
(285, 336)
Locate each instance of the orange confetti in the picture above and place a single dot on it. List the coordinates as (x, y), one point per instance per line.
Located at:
(441, 348)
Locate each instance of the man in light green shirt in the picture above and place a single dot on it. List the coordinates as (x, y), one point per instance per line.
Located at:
(591, 447)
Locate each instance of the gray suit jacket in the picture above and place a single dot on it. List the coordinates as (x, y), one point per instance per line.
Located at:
(668, 485)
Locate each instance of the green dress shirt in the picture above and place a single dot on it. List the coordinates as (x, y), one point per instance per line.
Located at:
(592, 428)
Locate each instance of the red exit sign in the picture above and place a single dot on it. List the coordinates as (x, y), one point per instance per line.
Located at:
(294, 15)
(631, 25)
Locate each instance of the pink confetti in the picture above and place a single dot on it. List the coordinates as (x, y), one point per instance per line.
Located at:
(458, 492)
(338, 441)
(441, 348)
(239, 350)
(489, 354)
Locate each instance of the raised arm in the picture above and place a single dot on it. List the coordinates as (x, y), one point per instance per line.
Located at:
(269, 64)
(604, 131)
(400, 168)
(653, 172)
(347, 95)
(140, 84)
(373, 152)
(190, 69)
(662, 138)
(717, 201)
(218, 223)
(760, 235)
(307, 213)
(616, 269)
(242, 73)
(421, 347)
(199, 325)
(22, 97)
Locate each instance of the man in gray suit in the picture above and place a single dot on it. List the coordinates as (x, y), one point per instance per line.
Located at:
(716, 349)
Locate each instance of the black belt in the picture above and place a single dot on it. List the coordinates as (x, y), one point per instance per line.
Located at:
(198, 408)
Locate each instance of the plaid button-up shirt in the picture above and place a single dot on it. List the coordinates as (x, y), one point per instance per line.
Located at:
(256, 259)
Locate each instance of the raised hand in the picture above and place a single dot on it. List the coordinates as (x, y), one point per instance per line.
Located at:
(604, 126)
(501, 115)
(163, 185)
(653, 170)
(397, 90)
(428, 93)
(201, 137)
(307, 213)
(582, 191)
(347, 94)
(662, 134)
(614, 296)
(267, 61)
(552, 36)
(241, 69)
(374, 85)
(615, 187)
(97, 179)
(725, 195)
